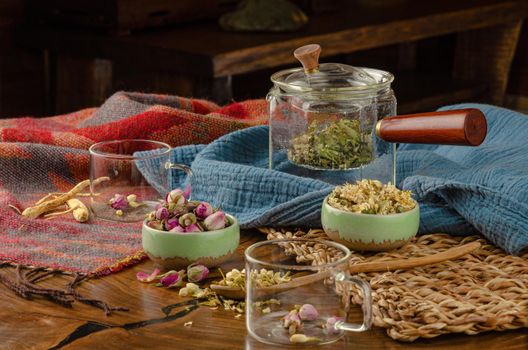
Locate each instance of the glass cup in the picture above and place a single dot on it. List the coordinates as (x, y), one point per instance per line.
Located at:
(315, 301)
(128, 178)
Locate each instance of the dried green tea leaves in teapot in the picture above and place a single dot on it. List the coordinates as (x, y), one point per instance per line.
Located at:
(339, 145)
(371, 197)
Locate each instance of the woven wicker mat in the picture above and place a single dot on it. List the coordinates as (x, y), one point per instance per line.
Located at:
(482, 291)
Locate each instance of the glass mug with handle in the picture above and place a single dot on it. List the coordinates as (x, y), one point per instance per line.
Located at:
(128, 178)
(312, 302)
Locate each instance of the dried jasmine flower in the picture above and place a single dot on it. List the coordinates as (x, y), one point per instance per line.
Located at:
(192, 290)
(371, 197)
(338, 145)
(265, 306)
(261, 278)
(266, 278)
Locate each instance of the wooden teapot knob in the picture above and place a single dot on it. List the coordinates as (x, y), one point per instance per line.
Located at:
(308, 55)
(463, 127)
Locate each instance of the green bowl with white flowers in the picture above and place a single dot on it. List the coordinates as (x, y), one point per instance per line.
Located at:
(182, 232)
(370, 216)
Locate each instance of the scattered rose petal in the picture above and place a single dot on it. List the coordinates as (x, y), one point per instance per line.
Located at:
(203, 210)
(145, 277)
(215, 221)
(197, 273)
(308, 312)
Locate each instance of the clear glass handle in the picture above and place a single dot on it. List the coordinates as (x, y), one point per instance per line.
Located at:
(186, 169)
(183, 167)
(366, 305)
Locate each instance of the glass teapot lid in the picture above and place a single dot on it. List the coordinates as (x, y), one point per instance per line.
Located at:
(328, 77)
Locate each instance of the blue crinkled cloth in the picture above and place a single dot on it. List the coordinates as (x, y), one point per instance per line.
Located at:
(461, 190)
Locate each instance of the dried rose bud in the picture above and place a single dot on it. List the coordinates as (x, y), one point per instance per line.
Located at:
(292, 321)
(176, 197)
(308, 312)
(172, 279)
(193, 228)
(157, 225)
(215, 221)
(162, 213)
(171, 223)
(118, 202)
(330, 324)
(145, 277)
(177, 228)
(187, 219)
(197, 273)
(203, 210)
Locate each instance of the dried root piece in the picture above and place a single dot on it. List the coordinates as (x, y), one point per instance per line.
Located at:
(79, 210)
(48, 205)
(76, 207)
(14, 208)
(54, 214)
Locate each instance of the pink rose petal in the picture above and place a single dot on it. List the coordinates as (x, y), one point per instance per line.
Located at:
(145, 277)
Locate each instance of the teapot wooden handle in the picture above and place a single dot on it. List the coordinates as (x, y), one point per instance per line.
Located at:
(463, 127)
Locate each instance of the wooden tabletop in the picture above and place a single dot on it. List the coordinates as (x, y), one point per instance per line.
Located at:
(39, 324)
(204, 49)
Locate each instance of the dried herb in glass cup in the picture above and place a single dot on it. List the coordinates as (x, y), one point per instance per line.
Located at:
(139, 178)
(308, 310)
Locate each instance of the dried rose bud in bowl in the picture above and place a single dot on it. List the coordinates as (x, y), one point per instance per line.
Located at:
(369, 215)
(181, 232)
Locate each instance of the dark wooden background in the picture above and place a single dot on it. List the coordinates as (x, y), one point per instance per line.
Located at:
(23, 85)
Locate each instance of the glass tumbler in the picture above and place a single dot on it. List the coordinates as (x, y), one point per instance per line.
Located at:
(311, 304)
(128, 178)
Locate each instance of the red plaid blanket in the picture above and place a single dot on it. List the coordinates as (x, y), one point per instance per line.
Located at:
(38, 156)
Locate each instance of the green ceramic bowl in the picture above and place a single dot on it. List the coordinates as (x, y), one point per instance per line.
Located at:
(174, 250)
(369, 232)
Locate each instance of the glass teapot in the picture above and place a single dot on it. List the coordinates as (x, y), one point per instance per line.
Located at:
(337, 122)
